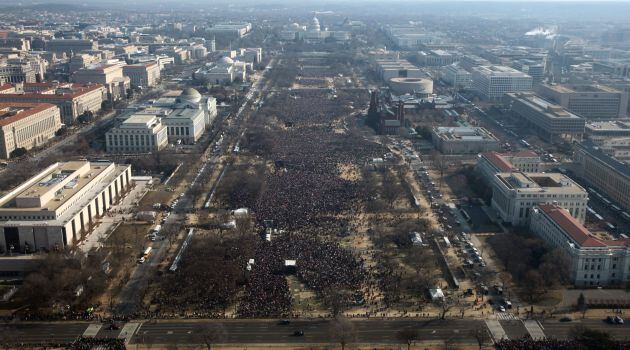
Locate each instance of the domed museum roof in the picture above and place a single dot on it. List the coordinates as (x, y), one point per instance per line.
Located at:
(226, 60)
(190, 95)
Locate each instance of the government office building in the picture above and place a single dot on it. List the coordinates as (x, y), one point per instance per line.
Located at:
(59, 206)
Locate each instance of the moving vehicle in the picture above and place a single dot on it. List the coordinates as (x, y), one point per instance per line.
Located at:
(298, 333)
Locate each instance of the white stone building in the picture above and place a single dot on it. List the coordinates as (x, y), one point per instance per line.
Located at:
(137, 134)
(59, 206)
(514, 195)
(492, 82)
(594, 261)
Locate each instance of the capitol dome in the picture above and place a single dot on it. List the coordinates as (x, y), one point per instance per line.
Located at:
(315, 25)
(190, 95)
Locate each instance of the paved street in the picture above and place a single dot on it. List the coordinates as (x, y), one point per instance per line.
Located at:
(269, 331)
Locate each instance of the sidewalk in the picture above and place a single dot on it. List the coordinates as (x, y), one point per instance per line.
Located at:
(116, 214)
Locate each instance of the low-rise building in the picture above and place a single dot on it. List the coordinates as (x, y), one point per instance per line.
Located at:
(224, 71)
(234, 29)
(549, 120)
(491, 163)
(456, 77)
(464, 140)
(599, 131)
(16, 73)
(108, 74)
(437, 57)
(397, 68)
(185, 124)
(618, 148)
(26, 125)
(586, 100)
(470, 61)
(594, 261)
(137, 134)
(59, 206)
(492, 82)
(143, 75)
(533, 68)
(190, 98)
(72, 99)
(70, 46)
(607, 174)
(514, 195)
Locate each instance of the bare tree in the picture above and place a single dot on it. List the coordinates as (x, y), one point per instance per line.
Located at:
(445, 306)
(211, 333)
(582, 306)
(342, 331)
(336, 299)
(408, 336)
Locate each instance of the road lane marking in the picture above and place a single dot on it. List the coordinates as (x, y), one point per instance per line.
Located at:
(534, 329)
(496, 330)
(128, 331)
(92, 330)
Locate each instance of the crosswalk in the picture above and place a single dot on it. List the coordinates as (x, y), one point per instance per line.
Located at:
(496, 330)
(92, 330)
(534, 329)
(507, 316)
(128, 330)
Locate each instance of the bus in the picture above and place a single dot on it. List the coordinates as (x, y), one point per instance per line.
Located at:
(625, 216)
(147, 252)
(610, 226)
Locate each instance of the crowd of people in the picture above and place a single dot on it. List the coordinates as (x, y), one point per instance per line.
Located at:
(306, 185)
(320, 265)
(88, 343)
(303, 198)
(553, 344)
(194, 289)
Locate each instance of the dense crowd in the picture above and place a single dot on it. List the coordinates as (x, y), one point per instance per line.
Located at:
(304, 196)
(320, 265)
(205, 292)
(553, 344)
(307, 186)
(87, 343)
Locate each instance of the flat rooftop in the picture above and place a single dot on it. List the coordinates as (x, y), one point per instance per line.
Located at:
(577, 88)
(539, 182)
(608, 126)
(463, 133)
(549, 109)
(500, 71)
(53, 187)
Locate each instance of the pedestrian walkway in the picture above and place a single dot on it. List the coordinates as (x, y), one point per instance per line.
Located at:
(92, 330)
(128, 330)
(496, 330)
(114, 215)
(534, 329)
(507, 316)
